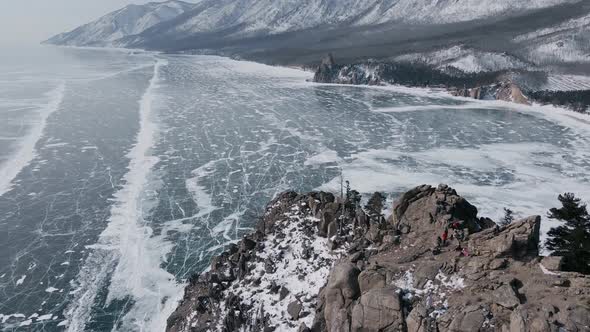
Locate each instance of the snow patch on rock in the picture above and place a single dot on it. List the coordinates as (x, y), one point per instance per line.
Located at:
(466, 60)
(302, 277)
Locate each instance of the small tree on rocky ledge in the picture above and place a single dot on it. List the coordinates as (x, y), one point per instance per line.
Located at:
(375, 205)
(572, 239)
(508, 217)
(353, 198)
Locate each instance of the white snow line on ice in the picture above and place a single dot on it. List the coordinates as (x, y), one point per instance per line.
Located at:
(26, 152)
(127, 249)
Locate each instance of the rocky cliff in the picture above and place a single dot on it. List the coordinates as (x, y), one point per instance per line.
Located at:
(521, 87)
(486, 85)
(505, 90)
(316, 263)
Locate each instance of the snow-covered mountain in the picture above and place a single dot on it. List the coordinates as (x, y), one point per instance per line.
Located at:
(131, 20)
(256, 17)
(567, 42)
(263, 17)
(471, 35)
(466, 60)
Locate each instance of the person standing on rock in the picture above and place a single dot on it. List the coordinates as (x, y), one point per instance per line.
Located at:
(445, 236)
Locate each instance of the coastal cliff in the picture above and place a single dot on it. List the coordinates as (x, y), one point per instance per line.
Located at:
(517, 86)
(321, 263)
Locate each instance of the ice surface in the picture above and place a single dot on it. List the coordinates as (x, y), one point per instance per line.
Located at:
(26, 151)
(185, 155)
(129, 242)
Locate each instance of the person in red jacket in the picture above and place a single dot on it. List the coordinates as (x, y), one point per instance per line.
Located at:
(445, 236)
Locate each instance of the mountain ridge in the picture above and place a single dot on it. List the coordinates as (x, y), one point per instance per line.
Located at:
(488, 35)
(129, 20)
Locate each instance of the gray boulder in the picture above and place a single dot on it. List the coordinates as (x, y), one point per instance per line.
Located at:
(430, 210)
(520, 239)
(469, 320)
(294, 309)
(342, 289)
(370, 279)
(377, 310)
(506, 297)
(552, 263)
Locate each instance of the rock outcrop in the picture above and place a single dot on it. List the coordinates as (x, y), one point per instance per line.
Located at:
(271, 279)
(356, 74)
(482, 86)
(504, 90)
(327, 70)
(319, 264)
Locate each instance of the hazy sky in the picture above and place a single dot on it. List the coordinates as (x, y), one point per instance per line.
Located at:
(31, 21)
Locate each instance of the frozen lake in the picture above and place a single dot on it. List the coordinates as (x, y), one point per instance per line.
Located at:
(122, 173)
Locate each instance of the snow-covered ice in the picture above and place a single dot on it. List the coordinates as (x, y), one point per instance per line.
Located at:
(187, 152)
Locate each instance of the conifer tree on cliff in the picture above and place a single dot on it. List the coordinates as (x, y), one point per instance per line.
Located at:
(571, 240)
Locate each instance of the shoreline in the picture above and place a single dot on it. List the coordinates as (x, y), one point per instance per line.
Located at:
(425, 91)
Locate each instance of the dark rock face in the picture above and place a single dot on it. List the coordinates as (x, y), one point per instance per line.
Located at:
(327, 71)
(356, 74)
(385, 276)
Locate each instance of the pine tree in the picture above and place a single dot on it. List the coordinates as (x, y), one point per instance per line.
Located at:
(571, 240)
(375, 204)
(353, 198)
(508, 217)
(348, 191)
(354, 201)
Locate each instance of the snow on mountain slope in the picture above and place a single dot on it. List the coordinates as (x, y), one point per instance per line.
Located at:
(268, 16)
(565, 42)
(262, 17)
(466, 60)
(574, 24)
(557, 82)
(131, 20)
(214, 24)
(448, 11)
(276, 16)
(563, 49)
